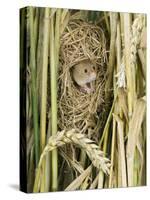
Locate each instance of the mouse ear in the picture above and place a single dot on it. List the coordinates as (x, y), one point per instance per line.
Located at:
(72, 67)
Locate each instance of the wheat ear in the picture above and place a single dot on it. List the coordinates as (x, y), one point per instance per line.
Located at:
(96, 156)
(137, 27)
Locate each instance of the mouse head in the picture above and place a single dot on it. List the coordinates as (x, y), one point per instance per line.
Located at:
(84, 72)
(88, 69)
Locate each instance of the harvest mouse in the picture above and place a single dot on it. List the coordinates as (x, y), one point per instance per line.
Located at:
(83, 74)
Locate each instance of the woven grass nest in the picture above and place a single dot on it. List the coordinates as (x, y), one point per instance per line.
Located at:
(81, 111)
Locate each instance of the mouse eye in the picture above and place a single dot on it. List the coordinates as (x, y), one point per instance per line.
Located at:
(94, 68)
(85, 70)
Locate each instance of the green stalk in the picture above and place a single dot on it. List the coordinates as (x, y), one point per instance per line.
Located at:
(44, 90)
(44, 80)
(22, 35)
(57, 36)
(36, 24)
(33, 85)
(53, 76)
(48, 162)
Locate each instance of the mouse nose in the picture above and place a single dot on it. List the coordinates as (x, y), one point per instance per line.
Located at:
(93, 74)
